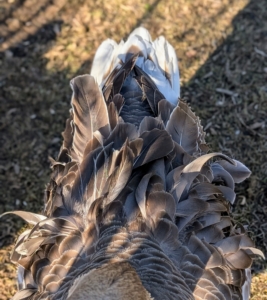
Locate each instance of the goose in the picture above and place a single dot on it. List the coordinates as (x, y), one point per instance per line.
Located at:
(137, 206)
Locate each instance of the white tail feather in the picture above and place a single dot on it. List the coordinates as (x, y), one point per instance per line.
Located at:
(158, 60)
(142, 32)
(104, 60)
(246, 285)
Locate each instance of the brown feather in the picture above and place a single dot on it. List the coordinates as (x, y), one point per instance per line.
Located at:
(136, 208)
(89, 112)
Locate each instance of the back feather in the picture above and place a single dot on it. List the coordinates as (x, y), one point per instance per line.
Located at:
(136, 207)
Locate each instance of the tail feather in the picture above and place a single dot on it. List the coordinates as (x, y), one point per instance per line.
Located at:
(157, 59)
(167, 61)
(104, 60)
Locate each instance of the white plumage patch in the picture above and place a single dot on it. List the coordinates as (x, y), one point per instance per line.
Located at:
(157, 59)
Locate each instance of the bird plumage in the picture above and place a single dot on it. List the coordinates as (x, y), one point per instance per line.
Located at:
(137, 207)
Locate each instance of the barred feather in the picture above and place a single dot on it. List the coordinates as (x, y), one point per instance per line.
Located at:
(136, 207)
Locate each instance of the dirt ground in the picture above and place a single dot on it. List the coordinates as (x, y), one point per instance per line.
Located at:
(222, 51)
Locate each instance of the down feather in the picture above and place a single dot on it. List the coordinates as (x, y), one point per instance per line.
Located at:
(137, 207)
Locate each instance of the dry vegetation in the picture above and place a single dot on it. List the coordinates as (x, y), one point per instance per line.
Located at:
(222, 50)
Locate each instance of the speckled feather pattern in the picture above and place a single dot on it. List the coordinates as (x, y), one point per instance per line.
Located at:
(137, 206)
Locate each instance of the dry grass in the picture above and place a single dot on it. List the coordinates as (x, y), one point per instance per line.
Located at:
(222, 50)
